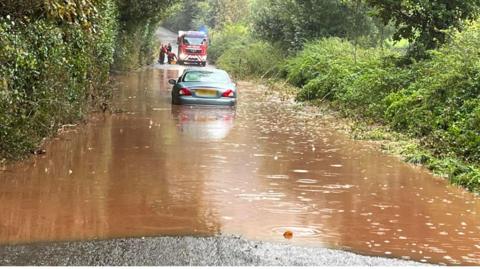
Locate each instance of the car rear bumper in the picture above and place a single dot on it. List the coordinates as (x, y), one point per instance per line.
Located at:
(190, 100)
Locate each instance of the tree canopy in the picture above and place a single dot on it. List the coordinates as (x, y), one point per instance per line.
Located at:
(292, 22)
(143, 10)
(424, 22)
(191, 14)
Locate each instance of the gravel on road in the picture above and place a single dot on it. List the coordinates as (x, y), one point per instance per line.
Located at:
(184, 251)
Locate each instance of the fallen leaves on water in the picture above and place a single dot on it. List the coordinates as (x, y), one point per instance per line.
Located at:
(288, 235)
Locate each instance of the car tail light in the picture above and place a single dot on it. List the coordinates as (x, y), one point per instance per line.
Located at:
(185, 92)
(228, 93)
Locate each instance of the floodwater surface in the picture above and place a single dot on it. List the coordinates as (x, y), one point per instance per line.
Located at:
(259, 170)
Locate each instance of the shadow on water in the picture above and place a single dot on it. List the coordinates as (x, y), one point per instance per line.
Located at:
(258, 170)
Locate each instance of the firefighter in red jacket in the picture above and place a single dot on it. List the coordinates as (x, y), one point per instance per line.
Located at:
(163, 53)
(172, 58)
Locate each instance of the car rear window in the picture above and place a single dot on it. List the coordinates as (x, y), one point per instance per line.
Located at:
(206, 76)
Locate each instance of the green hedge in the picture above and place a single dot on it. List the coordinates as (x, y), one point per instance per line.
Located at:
(136, 45)
(443, 105)
(435, 100)
(50, 72)
(356, 79)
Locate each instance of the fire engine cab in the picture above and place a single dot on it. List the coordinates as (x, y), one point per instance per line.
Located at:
(192, 47)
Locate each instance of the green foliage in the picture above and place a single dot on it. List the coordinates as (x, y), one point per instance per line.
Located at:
(139, 11)
(233, 49)
(183, 15)
(457, 171)
(138, 21)
(215, 14)
(436, 101)
(219, 13)
(221, 40)
(55, 58)
(50, 72)
(293, 22)
(425, 22)
(254, 59)
(442, 105)
(136, 45)
(356, 79)
(64, 12)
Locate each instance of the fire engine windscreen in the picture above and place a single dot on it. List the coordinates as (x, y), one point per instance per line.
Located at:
(193, 41)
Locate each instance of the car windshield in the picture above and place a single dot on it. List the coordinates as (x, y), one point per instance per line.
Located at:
(206, 76)
(193, 41)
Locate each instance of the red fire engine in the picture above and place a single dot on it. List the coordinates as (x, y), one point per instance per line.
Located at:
(192, 47)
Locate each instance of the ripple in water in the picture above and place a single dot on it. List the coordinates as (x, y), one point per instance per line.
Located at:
(301, 232)
(307, 181)
(272, 196)
(337, 186)
(278, 177)
(300, 171)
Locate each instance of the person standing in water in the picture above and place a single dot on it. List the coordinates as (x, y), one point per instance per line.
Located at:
(172, 58)
(163, 54)
(161, 58)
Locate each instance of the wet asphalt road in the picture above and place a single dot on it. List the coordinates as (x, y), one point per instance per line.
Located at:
(183, 251)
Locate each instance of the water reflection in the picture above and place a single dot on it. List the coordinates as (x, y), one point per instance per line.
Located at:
(204, 123)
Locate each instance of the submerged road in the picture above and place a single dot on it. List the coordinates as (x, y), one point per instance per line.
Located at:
(267, 167)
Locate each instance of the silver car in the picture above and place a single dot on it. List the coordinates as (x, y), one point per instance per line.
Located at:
(202, 86)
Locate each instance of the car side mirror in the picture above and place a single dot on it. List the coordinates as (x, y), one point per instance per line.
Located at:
(172, 81)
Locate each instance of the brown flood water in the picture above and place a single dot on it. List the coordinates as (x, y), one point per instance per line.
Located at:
(256, 171)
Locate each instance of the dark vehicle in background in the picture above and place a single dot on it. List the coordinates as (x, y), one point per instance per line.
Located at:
(200, 86)
(192, 47)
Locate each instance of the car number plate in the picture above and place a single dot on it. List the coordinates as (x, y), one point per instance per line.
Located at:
(206, 93)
